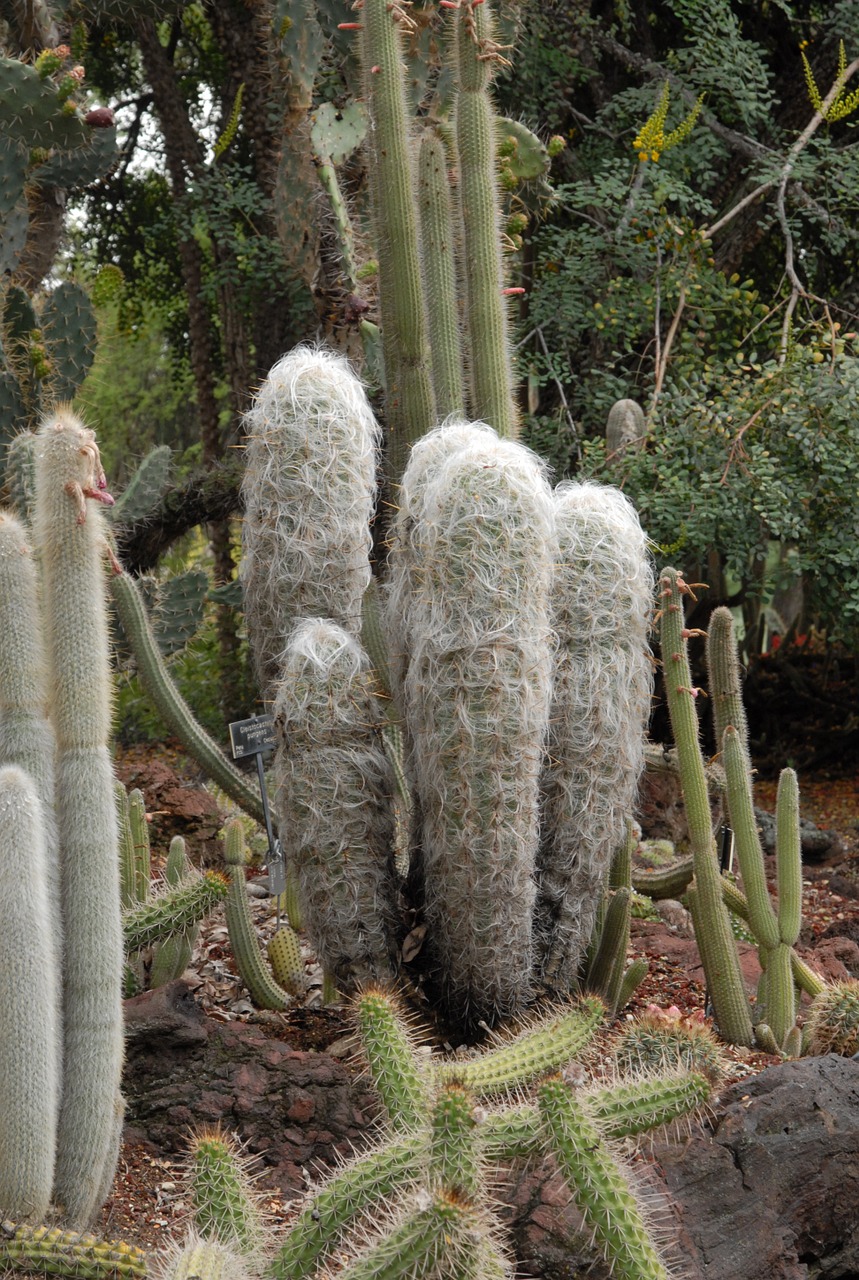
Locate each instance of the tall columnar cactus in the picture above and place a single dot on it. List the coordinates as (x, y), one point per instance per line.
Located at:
(410, 407)
(70, 537)
(30, 1031)
(476, 702)
(490, 359)
(438, 260)
(335, 801)
(602, 596)
(309, 492)
(712, 924)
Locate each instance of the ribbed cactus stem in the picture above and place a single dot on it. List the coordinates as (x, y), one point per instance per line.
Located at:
(394, 1068)
(126, 847)
(169, 702)
(439, 273)
(803, 975)
(788, 858)
(172, 912)
(226, 1207)
(140, 842)
(724, 680)
(602, 596)
(490, 359)
(432, 1240)
(26, 733)
(335, 801)
(605, 973)
(747, 843)
(364, 1185)
(206, 1260)
(410, 408)
(255, 974)
(287, 964)
(548, 1046)
(712, 925)
(453, 1159)
(42, 1251)
(601, 1190)
(476, 577)
(71, 541)
(30, 1030)
(173, 955)
(309, 490)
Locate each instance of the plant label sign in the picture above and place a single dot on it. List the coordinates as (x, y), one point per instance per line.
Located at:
(248, 737)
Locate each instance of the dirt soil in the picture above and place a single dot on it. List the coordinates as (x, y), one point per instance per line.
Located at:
(148, 1204)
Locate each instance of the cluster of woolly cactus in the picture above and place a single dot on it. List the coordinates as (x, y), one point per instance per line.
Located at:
(510, 647)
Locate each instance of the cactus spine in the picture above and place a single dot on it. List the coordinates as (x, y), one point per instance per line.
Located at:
(602, 594)
(30, 1032)
(173, 911)
(71, 542)
(173, 955)
(439, 273)
(225, 1206)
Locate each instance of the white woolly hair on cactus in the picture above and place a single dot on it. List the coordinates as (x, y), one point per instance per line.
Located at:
(197, 1258)
(26, 733)
(71, 545)
(476, 699)
(309, 492)
(30, 1033)
(335, 802)
(602, 599)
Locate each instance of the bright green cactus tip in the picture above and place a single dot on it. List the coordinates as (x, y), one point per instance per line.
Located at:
(390, 1046)
(832, 1025)
(226, 1206)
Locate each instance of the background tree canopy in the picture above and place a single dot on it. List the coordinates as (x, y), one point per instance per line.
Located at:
(696, 252)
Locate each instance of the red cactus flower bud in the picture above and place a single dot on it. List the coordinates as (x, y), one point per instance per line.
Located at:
(99, 118)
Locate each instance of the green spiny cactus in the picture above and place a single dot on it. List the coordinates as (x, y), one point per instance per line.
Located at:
(139, 828)
(490, 359)
(335, 801)
(70, 539)
(309, 491)
(657, 1041)
(709, 914)
(30, 1030)
(410, 408)
(439, 273)
(178, 609)
(390, 1048)
(439, 1236)
(602, 595)
(69, 334)
(173, 911)
(265, 992)
(173, 955)
(169, 702)
(601, 1190)
(476, 702)
(144, 490)
(832, 1025)
(49, 1251)
(287, 964)
(226, 1207)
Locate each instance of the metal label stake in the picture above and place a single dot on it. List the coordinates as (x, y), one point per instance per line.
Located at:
(255, 737)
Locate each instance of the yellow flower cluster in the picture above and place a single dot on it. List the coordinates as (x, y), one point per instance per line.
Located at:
(652, 139)
(843, 105)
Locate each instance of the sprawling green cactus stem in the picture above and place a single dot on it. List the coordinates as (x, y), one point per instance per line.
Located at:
(71, 543)
(601, 1190)
(490, 359)
(26, 733)
(602, 596)
(439, 273)
(439, 1237)
(369, 1182)
(48, 1251)
(475, 575)
(309, 490)
(390, 1048)
(335, 801)
(226, 1207)
(709, 914)
(173, 955)
(287, 964)
(410, 409)
(169, 702)
(663, 882)
(833, 1020)
(547, 1046)
(803, 975)
(30, 1030)
(624, 1110)
(265, 992)
(205, 1260)
(453, 1157)
(174, 911)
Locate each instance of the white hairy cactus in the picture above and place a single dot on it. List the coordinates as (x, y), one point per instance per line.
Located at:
(473, 586)
(309, 493)
(30, 1034)
(335, 802)
(602, 596)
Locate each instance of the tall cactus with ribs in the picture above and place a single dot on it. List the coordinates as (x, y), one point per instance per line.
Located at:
(512, 652)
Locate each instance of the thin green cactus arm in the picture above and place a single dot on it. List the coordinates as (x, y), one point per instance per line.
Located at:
(803, 975)
(265, 992)
(172, 912)
(410, 408)
(489, 355)
(712, 925)
(171, 705)
(750, 856)
(431, 1240)
(394, 1068)
(439, 268)
(49, 1251)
